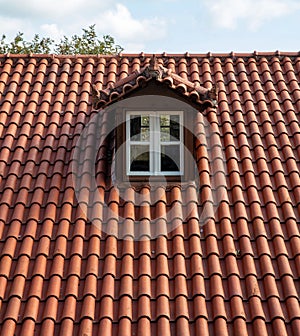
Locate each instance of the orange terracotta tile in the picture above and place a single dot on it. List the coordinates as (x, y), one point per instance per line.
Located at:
(9, 327)
(86, 326)
(107, 287)
(88, 307)
(67, 327)
(31, 309)
(163, 327)
(182, 326)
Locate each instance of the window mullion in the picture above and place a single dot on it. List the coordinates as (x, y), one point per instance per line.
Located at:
(157, 144)
(181, 136)
(128, 143)
(152, 146)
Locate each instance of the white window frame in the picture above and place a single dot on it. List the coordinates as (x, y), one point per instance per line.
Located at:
(154, 143)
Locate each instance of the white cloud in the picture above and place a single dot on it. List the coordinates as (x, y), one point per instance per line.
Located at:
(56, 18)
(52, 30)
(252, 13)
(125, 27)
(11, 26)
(54, 9)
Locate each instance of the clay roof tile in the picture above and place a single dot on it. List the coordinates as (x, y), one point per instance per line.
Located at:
(63, 268)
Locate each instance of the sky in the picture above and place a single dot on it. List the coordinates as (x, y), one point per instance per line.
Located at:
(156, 26)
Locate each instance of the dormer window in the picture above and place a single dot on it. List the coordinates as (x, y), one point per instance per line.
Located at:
(153, 112)
(154, 143)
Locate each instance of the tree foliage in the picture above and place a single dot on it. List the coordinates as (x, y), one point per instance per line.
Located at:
(87, 43)
(19, 46)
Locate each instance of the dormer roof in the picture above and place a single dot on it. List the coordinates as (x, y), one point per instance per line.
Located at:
(154, 71)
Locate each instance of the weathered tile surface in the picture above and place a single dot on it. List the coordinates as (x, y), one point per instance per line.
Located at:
(237, 275)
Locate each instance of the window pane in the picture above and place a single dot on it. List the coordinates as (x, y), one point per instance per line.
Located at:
(145, 121)
(174, 127)
(165, 120)
(139, 158)
(170, 158)
(169, 128)
(139, 128)
(165, 134)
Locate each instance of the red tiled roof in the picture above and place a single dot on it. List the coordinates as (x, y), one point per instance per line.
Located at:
(236, 275)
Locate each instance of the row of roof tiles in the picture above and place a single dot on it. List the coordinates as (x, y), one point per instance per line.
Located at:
(236, 275)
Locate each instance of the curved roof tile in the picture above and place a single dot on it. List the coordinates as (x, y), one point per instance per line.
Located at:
(237, 274)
